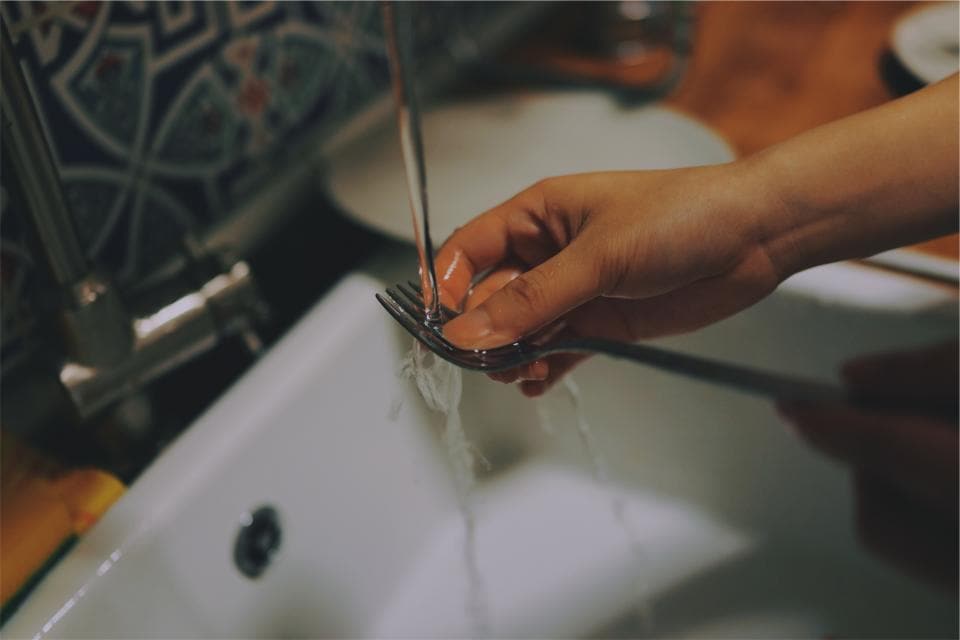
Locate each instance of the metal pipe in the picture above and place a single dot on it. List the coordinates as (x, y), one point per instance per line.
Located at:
(36, 176)
(109, 354)
(225, 305)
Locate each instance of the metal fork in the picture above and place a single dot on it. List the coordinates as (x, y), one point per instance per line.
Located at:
(405, 304)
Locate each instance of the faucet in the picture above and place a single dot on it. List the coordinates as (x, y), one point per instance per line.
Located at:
(109, 353)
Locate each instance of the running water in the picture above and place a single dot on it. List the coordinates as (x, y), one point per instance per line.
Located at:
(599, 470)
(441, 385)
(439, 382)
(399, 35)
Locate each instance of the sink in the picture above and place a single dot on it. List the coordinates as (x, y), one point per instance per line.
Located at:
(325, 472)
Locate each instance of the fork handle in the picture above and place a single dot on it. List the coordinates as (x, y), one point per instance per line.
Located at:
(765, 383)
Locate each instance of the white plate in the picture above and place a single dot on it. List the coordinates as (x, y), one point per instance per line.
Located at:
(479, 153)
(927, 41)
(922, 264)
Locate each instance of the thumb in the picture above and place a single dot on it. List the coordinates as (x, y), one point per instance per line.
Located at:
(528, 302)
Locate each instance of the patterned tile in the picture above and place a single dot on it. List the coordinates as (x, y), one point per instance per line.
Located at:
(160, 113)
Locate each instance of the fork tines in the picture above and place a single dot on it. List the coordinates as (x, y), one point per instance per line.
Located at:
(399, 313)
(409, 312)
(414, 298)
(446, 313)
(406, 306)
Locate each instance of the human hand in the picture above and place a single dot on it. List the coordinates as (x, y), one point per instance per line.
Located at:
(618, 255)
(904, 464)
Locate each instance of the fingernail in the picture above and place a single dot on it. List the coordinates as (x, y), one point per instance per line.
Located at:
(506, 377)
(474, 330)
(468, 329)
(536, 370)
(448, 299)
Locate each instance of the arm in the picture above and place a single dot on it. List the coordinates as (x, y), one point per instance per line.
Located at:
(636, 254)
(904, 464)
(876, 180)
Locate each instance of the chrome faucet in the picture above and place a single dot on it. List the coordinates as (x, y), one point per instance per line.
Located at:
(110, 353)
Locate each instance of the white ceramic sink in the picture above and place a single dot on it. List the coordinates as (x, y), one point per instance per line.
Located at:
(738, 530)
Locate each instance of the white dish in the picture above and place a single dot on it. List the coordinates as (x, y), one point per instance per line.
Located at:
(479, 153)
(919, 263)
(927, 41)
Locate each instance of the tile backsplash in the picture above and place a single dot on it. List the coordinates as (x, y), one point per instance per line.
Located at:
(164, 116)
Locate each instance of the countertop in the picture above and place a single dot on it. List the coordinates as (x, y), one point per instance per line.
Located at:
(765, 71)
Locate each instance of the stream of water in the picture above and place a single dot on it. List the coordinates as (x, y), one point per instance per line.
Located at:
(600, 472)
(399, 39)
(439, 382)
(441, 386)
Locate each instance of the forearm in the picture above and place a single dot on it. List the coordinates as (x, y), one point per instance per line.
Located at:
(873, 181)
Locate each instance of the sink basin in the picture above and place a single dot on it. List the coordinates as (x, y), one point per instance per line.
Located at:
(712, 520)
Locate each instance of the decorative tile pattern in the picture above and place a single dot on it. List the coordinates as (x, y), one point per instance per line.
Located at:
(158, 112)
(163, 114)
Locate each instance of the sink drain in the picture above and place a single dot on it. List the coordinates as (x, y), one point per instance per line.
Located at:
(257, 541)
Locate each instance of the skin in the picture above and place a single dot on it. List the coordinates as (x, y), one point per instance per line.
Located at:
(904, 465)
(638, 254)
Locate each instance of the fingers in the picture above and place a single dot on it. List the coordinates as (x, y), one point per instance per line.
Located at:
(497, 279)
(546, 371)
(528, 302)
(487, 241)
(894, 526)
(533, 388)
(536, 370)
(927, 376)
(906, 479)
(479, 245)
(534, 382)
(917, 453)
(699, 303)
(560, 365)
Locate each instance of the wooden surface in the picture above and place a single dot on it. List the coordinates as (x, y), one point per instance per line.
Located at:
(760, 72)
(765, 71)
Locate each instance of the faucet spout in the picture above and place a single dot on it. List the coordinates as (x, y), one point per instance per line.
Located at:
(35, 177)
(109, 353)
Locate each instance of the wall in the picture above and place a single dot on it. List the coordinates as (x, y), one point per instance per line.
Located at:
(164, 116)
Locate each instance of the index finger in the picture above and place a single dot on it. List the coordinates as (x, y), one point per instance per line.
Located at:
(928, 375)
(484, 242)
(915, 452)
(480, 244)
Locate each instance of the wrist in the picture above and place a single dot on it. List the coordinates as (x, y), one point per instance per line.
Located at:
(880, 179)
(758, 207)
(779, 223)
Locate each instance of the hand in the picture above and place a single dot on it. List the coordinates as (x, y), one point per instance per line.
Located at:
(627, 255)
(904, 464)
(618, 255)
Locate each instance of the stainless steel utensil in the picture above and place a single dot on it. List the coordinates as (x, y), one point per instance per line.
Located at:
(406, 306)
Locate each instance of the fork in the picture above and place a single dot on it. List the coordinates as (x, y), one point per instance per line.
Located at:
(405, 304)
